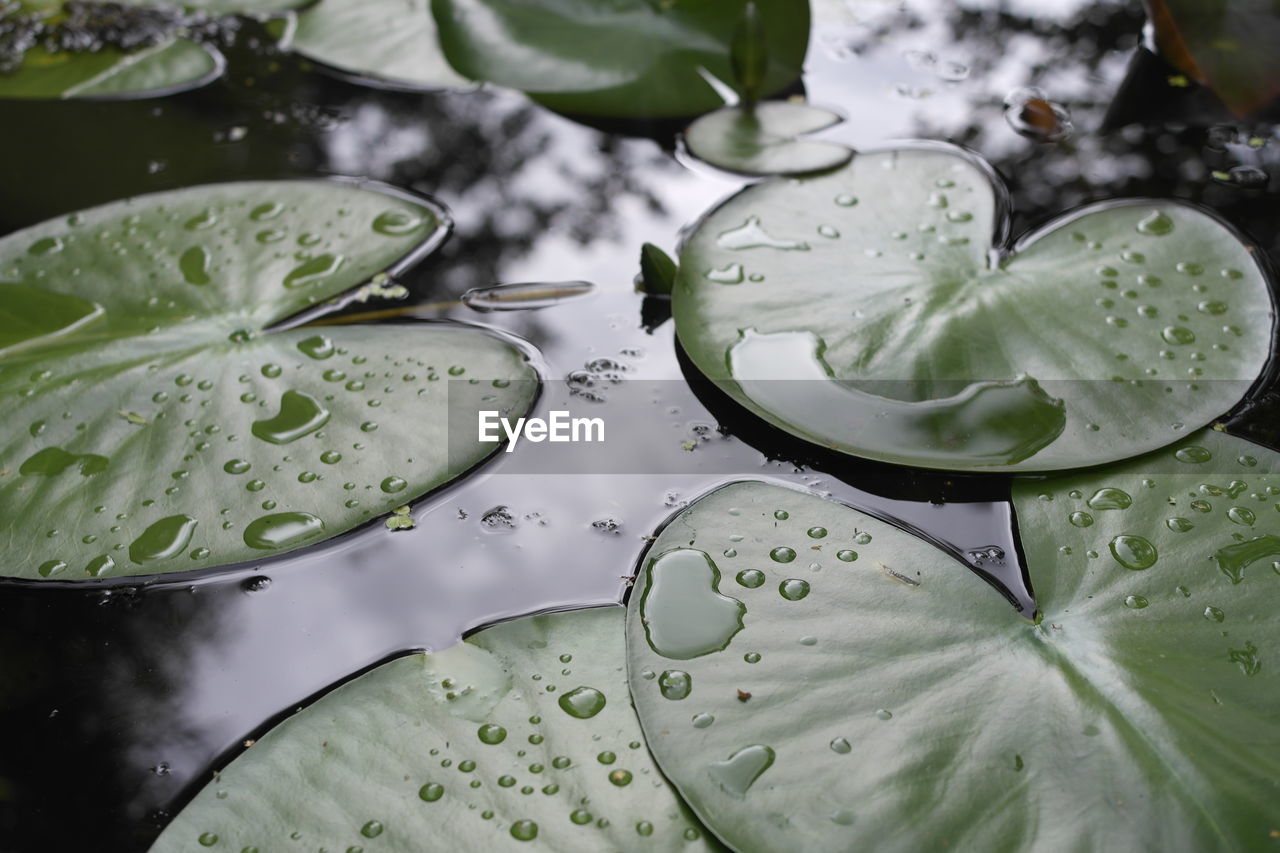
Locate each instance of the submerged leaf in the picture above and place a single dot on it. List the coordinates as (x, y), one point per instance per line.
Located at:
(763, 139)
(633, 58)
(1228, 45)
(878, 695)
(522, 732)
(157, 422)
(864, 310)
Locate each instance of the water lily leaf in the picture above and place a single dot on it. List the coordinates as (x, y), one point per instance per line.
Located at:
(1228, 45)
(763, 140)
(1109, 333)
(172, 66)
(522, 732)
(619, 58)
(155, 423)
(391, 41)
(812, 678)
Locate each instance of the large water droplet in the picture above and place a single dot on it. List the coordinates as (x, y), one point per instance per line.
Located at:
(739, 771)
(317, 347)
(684, 613)
(793, 589)
(1157, 224)
(1133, 552)
(313, 270)
(300, 414)
(164, 539)
(282, 530)
(395, 223)
(1234, 559)
(194, 264)
(751, 235)
(1108, 498)
(675, 684)
(582, 702)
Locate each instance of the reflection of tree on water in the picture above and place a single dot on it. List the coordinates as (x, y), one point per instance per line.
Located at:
(91, 697)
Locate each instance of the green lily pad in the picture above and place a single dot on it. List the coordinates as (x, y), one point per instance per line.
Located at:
(763, 139)
(172, 66)
(1110, 333)
(875, 694)
(617, 58)
(390, 41)
(521, 734)
(155, 422)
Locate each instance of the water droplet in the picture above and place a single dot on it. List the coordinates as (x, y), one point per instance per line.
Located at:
(675, 684)
(313, 270)
(51, 567)
(782, 555)
(1108, 498)
(751, 235)
(194, 265)
(751, 657)
(282, 530)
(793, 589)
(582, 702)
(620, 777)
(395, 223)
(1234, 559)
(1135, 602)
(163, 540)
(317, 347)
(1081, 519)
(701, 721)
(524, 830)
(1133, 552)
(267, 210)
(847, 556)
(751, 578)
(816, 532)
(841, 746)
(208, 839)
(1214, 614)
(300, 415)
(491, 734)
(1156, 224)
(739, 771)
(1178, 525)
(391, 485)
(684, 613)
(201, 221)
(730, 274)
(433, 791)
(1193, 454)
(884, 714)
(1241, 515)
(581, 817)
(1246, 659)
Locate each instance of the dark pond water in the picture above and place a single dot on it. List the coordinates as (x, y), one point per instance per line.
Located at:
(118, 699)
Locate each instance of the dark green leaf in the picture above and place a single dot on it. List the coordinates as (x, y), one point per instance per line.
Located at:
(156, 424)
(625, 58)
(520, 738)
(812, 678)
(1109, 333)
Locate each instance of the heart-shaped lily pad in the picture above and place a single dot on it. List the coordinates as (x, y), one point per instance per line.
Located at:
(520, 738)
(619, 58)
(1110, 333)
(763, 139)
(812, 678)
(155, 424)
(392, 42)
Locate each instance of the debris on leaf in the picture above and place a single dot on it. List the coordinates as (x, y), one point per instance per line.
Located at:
(400, 519)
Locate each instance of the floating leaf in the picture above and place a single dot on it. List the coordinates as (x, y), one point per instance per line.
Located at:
(1110, 333)
(762, 140)
(522, 732)
(391, 41)
(172, 66)
(633, 58)
(1228, 45)
(859, 685)
(236, 440)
